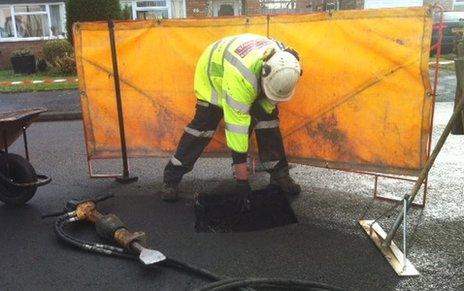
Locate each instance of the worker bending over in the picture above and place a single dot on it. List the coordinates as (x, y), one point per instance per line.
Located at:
(239, 78)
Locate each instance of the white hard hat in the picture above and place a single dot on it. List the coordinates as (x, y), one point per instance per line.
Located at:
(280, 75)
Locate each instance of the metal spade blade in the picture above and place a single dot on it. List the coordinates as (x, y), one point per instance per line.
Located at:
(149, 256)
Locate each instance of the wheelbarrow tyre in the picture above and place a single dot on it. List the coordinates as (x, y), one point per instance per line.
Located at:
(21, 171)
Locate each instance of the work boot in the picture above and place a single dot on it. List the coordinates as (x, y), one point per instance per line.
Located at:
(169, 192)
(281, 178)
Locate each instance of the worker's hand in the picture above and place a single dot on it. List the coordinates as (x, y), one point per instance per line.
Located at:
(243, 192)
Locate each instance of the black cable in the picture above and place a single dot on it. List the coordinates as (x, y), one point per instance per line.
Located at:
(169, 262)
(53, 214)
(94, 247)
(103, 249)
(273, 282)
(110, 250)
(219, 284)
(199, 272)
(86, 246)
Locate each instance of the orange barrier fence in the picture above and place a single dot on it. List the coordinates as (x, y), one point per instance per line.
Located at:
(364, 101)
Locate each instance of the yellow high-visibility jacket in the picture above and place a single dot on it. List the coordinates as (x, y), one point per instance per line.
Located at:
(228, 75)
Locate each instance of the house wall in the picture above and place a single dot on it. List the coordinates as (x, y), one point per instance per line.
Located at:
(252, 7)
(9, 2)
(201, 8)
(318, 5)
(447, 4)
(196, 8)
(351, 4)
(6, 48)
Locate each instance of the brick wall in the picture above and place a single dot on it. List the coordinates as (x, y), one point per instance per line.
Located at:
(197, 8)
(351, 4)
(318, 5)
(252, 7)
(202, 8)
(303, 5)
(7, 47)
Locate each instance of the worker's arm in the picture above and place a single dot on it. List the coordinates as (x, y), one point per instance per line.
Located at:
(238, 97)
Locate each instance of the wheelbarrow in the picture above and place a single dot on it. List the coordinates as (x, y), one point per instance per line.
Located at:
(18, 179)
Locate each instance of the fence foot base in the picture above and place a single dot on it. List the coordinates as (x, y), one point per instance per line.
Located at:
(127, 179)
(392, 253)
(391, 198)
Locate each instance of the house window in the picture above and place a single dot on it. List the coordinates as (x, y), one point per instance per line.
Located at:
(57, 21)
(226, 7)
(126, 7)
(458, 5)
(6, 23)
(153, 9)
(226, 10)
(31, 21)
(277, 6)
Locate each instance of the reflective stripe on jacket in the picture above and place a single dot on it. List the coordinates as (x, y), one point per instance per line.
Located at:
(227, 75)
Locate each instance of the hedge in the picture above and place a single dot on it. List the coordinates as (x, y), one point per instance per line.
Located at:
(90, 10)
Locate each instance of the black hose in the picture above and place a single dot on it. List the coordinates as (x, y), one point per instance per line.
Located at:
(92, 247)
(269, 282)
(169, 262)
(219, 284)
(86, 246)
(63, 220)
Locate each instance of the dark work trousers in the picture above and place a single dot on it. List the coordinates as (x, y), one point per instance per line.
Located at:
(200, 130)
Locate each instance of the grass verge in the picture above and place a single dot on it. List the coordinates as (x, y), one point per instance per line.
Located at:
(37, 87)
(9, 76)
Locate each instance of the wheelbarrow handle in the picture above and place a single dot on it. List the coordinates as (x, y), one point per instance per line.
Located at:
(41, 180)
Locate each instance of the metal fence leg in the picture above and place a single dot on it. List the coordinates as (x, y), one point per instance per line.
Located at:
(405, 233)
(126, 178)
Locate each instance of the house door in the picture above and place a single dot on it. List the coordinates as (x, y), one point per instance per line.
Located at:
(226, 8)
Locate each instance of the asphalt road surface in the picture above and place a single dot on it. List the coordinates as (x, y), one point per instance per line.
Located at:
(54, 101)
(326, 245)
